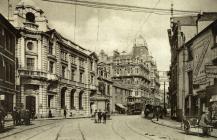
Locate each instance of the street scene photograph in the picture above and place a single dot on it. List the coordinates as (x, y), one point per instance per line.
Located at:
(108, 69)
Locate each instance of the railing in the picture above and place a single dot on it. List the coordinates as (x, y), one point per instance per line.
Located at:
(32, 73)
(67, 81)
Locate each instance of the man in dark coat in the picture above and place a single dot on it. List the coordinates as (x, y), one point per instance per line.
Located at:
(15, 116)
(99, 116)
(157, 112)
(104, 116)
(65, 112)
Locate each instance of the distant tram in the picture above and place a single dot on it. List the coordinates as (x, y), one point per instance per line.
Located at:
(134, 105)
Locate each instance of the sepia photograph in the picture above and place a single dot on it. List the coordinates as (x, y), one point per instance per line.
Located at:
(108, 69)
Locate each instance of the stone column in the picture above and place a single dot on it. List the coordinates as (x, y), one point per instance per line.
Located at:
(22, 96)
(57, 102)
(22, 56)
(39, 55)
(67, 98)
(77, 99)
(43, 100)
(86, 102)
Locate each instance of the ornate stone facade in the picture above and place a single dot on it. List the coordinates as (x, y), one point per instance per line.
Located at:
(55, 73)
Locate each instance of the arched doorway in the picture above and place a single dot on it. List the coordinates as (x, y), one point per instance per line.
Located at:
(80, 101)
(30, 105)
(62, 99)
(72, 99)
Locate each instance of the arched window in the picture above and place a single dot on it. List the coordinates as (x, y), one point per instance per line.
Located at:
(80, 100)
(72, 99)
(30, 17)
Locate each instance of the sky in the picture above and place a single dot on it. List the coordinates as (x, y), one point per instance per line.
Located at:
(117, 30)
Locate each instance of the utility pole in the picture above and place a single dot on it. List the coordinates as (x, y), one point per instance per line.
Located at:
(164, 97)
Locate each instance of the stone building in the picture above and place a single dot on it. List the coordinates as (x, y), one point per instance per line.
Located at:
(116, 93)
(135, 74)
(199, 55)
(54, 72)
(8, 89)
(101, 99)
(183, 75)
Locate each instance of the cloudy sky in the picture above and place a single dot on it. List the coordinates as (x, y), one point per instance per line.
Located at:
(117, 29)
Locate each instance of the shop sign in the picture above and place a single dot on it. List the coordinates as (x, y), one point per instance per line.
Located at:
(211, 70)
(2, 97)
(200, 80)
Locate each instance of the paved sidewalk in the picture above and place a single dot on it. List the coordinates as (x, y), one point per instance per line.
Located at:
(9, 121)
(176, 125)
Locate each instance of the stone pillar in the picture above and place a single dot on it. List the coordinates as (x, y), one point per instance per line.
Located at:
(43, 101)
(67, 98)
(39, 55)
(57, 102)
(22, 56)
(22, 96)
(77, 99)
(86, 102)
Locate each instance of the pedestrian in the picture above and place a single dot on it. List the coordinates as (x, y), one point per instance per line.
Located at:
(65, 112)
(205, 122)
(99, 116)
(96, 116)
(157, 112)
(14, 116)
(104, 113)
(49, 114)
(27, 117)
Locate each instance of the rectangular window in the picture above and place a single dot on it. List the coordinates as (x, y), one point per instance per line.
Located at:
(8, 42)
(51, 67)
(2, 37)
(30, 63)
(72, 59)
(92, 79)
(81, 62)
(50, 48)
(7, 71)
(72, 74)
(81, 77)
(12, 76)
(63, 71)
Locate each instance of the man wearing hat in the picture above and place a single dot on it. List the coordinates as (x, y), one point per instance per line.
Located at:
(205, 122)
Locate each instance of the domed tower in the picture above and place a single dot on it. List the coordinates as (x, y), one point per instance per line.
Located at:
(27, 15)
(140, 48)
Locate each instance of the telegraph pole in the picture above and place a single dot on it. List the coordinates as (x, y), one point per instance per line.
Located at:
(164, 97)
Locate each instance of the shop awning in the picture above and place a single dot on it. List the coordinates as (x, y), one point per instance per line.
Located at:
(121, 106)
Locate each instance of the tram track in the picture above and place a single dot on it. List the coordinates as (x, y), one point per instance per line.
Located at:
(125, 124)
(26, 130)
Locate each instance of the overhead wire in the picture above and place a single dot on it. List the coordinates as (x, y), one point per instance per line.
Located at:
(120, 7)
(75, 22)
(146, 19)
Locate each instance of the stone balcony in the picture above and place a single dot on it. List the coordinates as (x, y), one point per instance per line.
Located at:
(67, 81)
(33, 73)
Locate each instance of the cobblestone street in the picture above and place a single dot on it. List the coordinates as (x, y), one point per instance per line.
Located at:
(118, 128)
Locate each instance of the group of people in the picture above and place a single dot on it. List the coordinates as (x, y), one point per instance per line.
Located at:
(21, 116)
(100, 116)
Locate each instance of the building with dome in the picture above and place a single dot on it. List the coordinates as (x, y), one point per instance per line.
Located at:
(54, 73)
(137, 71)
